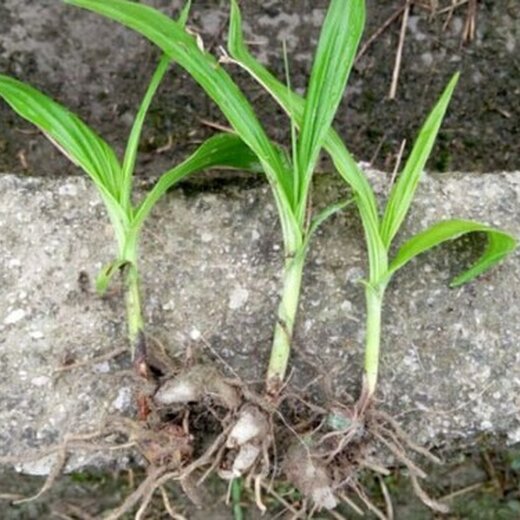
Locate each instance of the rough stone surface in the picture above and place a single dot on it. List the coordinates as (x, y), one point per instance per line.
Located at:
(210, 267)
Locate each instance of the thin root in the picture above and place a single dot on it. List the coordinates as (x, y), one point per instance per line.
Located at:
(168, 506)
(406, 438)
(368, 503)
(388, 499)
(147, 486)
(423, 496)
(400, 455)
(57, 468)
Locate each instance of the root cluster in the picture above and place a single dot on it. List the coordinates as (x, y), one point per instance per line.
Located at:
(199, 423)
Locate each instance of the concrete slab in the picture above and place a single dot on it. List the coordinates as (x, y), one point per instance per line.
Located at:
(210, 267)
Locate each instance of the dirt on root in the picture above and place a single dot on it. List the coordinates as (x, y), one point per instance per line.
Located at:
(100, 71)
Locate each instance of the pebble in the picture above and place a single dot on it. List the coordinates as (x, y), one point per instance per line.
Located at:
(14, 316)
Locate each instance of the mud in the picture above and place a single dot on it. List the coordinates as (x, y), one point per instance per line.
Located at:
(100, 71)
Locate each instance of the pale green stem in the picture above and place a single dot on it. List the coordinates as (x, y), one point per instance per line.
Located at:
(134, 315)
(283, 332)
(374, 302)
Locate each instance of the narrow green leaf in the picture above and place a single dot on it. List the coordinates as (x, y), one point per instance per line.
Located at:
(107, 273)
(185, 13)
(135, 134)
(404, 189)
(137, 127)
(221, 150)
(347, 167)
(204, 68)
(339, 39)
(71, 136)
(499, 245)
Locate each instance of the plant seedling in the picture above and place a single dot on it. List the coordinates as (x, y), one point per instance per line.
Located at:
(290, 178)
(114, 180)
(380, 232)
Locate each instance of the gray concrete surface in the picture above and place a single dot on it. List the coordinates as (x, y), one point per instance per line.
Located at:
(210, 267)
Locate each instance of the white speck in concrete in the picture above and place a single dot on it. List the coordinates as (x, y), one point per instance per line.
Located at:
(307, 325)
(102, 368)
(14, 316)
(40, 380)
(36, 334)
(169, 306)
(14, 262)
(346, 306)
(206, 237)
(68, 189)
(123, 399)
(195, 334)
(514, 436)
(238, 298)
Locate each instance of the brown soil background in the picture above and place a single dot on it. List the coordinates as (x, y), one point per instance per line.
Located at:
(100, 71)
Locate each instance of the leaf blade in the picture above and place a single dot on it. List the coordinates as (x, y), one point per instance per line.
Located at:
(71, 135)
(137, 126)
(403, 190)
(339, 38)
(220, 150)
(293, 105)
(204, 68)
(500, 244)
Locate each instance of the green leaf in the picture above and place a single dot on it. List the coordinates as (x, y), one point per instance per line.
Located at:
(403, 190)
(135, 134)
(107, 273)
(499, 245)
(339, 39)
(221, 150)
(204, 68)
(347, 167)
(71, 136)
(185, 13)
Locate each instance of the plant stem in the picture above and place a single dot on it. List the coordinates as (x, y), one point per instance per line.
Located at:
(374, 301)
(134, 315)
(283, 331)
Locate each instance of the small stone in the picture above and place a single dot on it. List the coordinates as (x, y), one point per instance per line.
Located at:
(195, 334)
(14, 316)
(68, 189)
(102, 368)
(486, 425)
(40, 380)
(169, 306)
(238, 298)
(123, 399)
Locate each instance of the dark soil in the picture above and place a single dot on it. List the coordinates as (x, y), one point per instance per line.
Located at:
(483, 485)
(100, 71)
